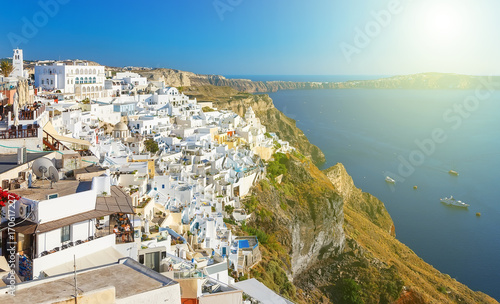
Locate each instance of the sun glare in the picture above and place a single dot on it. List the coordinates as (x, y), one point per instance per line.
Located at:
(443, 20)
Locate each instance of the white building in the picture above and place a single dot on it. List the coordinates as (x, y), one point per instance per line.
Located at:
(57, 224)
(132, 78)
(78, 78)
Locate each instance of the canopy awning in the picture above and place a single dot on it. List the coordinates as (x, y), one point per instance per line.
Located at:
(49, 128)
(106, 256)
(260, 292)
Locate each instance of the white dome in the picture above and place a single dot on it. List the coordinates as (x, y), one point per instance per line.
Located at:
(120, 127)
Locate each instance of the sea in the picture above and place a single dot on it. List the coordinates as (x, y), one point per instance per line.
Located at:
(416, 137)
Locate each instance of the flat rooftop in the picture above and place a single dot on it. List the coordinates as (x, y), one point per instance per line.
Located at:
(9, 161)
(41, 188)
(127, 280)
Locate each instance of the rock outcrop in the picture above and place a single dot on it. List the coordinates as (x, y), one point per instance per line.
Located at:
(385, 270)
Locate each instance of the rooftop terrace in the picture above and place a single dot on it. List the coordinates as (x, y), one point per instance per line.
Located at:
(128, 280)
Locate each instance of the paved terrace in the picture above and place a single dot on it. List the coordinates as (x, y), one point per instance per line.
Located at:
(128, 280)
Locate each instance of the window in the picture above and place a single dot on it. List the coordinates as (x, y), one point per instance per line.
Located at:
(42, 81)
(65, 233)
(51, 81)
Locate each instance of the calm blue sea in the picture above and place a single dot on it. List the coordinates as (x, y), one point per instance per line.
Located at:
(307, 78)
(370, 131)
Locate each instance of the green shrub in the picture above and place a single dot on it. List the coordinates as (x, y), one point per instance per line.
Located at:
(350, 291)
(442, 289)
(229, 209)
(278, 165)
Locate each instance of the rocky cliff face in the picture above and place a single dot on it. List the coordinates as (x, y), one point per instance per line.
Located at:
(302, 219)
(365, 203)
(417, 82)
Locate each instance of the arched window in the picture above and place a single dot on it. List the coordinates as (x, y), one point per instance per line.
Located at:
(95, 72)
(86, 71)
(86, 80)
(81, 71)
(45, 71)
(77, 72)
(84, 90)
(100, 88)
(92, 89)
(42, 81)
(94, 80)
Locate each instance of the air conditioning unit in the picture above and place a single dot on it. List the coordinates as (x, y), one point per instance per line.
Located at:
(26, 212)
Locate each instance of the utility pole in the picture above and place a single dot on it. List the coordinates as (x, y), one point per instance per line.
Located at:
(74, 275)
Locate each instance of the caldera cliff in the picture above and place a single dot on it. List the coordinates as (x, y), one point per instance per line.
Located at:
(322, 239)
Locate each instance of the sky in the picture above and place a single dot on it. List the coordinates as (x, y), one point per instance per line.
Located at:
(261, 37)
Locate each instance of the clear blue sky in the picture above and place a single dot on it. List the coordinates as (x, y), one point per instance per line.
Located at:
(262, 36)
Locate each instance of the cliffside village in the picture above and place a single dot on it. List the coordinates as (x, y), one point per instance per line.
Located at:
(125, 187)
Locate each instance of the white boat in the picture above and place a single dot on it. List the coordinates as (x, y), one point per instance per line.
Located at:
(451, 201)
(390, 180)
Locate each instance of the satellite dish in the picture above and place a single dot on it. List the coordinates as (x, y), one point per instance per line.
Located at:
(53, 174)
(41, 167)
(44, 169)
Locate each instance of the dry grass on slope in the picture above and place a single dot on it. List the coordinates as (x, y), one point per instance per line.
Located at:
(419, 276)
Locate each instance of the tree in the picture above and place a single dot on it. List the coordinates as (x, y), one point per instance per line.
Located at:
(7, 68)
(151, 146)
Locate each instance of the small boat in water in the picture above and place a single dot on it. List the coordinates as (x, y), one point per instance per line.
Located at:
(453, 172)
(451, 201)
(390, 180)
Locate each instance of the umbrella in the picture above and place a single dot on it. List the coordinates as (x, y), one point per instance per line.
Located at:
(22, 89)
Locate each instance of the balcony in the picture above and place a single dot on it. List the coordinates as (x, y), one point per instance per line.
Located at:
(30, 131)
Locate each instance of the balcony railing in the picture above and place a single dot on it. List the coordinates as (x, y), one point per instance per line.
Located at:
(19, 132)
